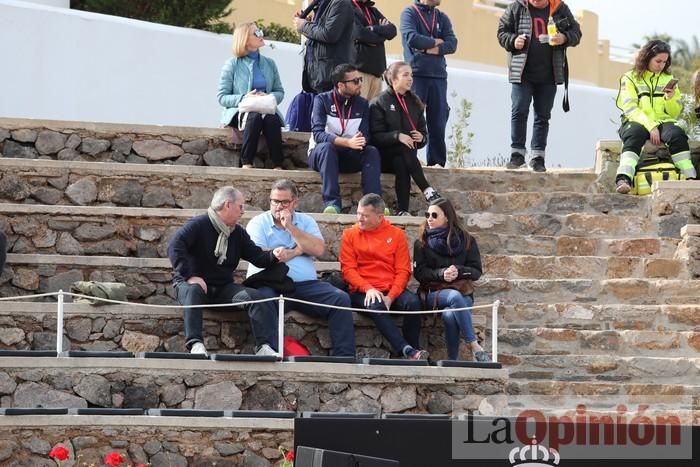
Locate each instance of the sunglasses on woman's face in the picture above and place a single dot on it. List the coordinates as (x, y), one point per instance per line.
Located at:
(259, 33)
(434, 215)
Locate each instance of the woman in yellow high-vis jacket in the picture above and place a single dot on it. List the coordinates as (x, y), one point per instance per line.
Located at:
(650, 103)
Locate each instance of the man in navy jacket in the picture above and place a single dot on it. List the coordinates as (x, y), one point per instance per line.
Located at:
(205, 252)
(340, 142)
(427, 37)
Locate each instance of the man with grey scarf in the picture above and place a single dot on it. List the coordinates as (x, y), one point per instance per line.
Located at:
(204, 253)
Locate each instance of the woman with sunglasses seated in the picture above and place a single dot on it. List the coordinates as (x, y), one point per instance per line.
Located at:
(398, 130)
(446, 261)
(249, 73)
(650, 102)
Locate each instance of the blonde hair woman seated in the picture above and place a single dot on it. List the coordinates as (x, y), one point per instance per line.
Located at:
(250, 73)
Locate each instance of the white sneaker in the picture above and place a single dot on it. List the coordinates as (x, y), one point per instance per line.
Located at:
(266, 351)
(198, 348)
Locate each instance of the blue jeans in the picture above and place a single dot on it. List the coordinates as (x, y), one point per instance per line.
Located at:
(433, 93)
(454, 321)
(263, 316)
(542, 98)
(340, 323)
(330, 160)
(407, 301)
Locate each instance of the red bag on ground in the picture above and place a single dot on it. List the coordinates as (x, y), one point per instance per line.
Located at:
(294, 348)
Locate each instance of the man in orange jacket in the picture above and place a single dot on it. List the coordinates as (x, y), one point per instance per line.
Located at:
(375, 263)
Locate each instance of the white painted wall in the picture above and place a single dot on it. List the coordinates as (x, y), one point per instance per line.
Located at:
(71, 65)
(53, 3)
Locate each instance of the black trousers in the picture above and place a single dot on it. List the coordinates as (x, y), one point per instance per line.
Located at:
(404, 164)
(270, 126)
(634, 136)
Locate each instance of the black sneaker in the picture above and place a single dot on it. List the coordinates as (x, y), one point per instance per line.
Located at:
(517, 160)
(537, 164)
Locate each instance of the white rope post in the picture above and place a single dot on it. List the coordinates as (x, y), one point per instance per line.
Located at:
(494, 331)
(59, 324)
(280, 328)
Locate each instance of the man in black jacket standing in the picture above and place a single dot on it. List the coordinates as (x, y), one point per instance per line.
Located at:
(205, 252)
(536, 65)
(372, 29)
(329, 42)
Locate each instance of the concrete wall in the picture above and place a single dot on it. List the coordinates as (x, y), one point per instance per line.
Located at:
(72, 65)
(475, 22)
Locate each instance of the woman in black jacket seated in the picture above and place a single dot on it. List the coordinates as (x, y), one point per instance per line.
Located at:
(446, 261)
(398, 130)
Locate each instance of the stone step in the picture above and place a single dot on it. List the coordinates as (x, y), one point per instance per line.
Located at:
(148, 280)
(32, 326)
(145, 232)
(146, 185)
(160, 145)
(619, 388)
(219, 385)
(152, 440)
(557, 341)
(603, 368)
(555, 202)
(591, 316)
(516, 280)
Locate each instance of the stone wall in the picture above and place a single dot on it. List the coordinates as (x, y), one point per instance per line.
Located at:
(177, 441)
(214, 385)
(32, 326)
(136, 144)
(145, 232)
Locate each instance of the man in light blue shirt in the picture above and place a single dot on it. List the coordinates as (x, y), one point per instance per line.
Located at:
(299, 235)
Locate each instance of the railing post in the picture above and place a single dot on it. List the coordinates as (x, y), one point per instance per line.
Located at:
(59, 324)
(280, 327)
(494, 331)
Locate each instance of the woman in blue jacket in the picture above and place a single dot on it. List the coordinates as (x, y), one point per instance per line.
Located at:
(250, 73)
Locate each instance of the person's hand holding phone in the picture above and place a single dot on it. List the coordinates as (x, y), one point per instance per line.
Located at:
(670, 88)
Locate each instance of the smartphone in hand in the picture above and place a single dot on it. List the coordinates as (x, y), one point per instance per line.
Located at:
(671, 85)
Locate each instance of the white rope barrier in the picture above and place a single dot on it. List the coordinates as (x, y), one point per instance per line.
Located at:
(60, 314)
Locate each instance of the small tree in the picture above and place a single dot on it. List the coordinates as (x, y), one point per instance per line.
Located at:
(197, 14)
(277, 32)
(461, 137)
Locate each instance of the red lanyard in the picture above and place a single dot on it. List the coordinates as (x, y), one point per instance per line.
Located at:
(402, 103)
(425, 23)
(368, 14)
(343, 121)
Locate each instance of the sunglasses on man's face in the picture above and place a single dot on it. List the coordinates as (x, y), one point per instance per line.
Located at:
(357, 80)
(434, 215)
(259, 33)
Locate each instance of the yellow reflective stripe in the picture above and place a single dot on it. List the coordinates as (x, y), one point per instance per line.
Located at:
(642, 88)
(630, 100)
(629, 111)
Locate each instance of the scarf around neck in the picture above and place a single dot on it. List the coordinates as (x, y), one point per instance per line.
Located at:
(224, 231)
(437, 241)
